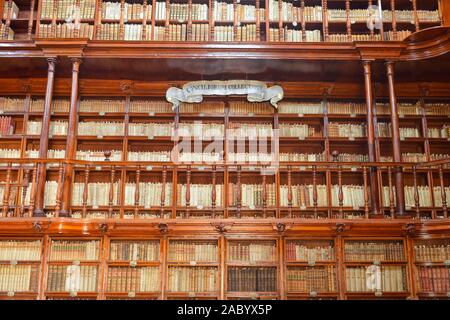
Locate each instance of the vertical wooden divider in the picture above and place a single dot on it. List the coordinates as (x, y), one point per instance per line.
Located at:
(226, 174)
(394, 20)
(258, 21)
(211, 18)
(42, 283)
(281, 267)
(167, 37)
(327, 151)
(103, 266)
(164, 268)
(153, 21)
(348, 21)
(223, 276)
(325, 20)
(31, 19)
(415, 16)
(340, 267)
(409, 246)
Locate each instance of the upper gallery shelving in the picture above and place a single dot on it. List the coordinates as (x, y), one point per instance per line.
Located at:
(218, 20)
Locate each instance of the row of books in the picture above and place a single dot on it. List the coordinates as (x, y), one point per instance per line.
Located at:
(252, 251)
(153, 129)
(192, 279)
(291, 35)
(302, 195)
(19, 278)
(250, 157)
(423, 191)
(126, 279)
(182, 12)
(301, 251)
(252, 279)
(206, 106)
(19, 250)
(96, 155)
(199, 157)
(200, 195)
(62, 250)
(243, 33)
(244, 12)
(9, 153)
(252, 195)
(149, 156)
(57, 128)
(374, 251)
(298, 130)
(250, 130)
(352, 157)
(305, 279)
(149, 194)
(432, 252)
(387, 279)
(98, 193)
(58, 105)
(66, 30)
(335, 107)
(301, 157)
(94, 128)
(183, 251)
(353, 196)
(438, 198)
(336, 129)
(385, 131)
(10, 10)
(131, 32)
(434, 279)
(7, 125)
(134, 251)
(248, 108)
(362, 15)
(414, 157)
(68, 9)
(199, 32)
(289, 12)
(131, 11)
(6, 33)
(200, 129)
(72, 278)
(11, 104)
(443, 132)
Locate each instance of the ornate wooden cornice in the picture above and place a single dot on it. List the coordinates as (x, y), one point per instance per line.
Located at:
(425, 44)
(269, 227)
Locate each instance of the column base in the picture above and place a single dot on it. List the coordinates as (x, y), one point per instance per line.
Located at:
(39, 213)
(64, 214)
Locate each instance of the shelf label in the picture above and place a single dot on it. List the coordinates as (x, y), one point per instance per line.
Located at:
(50, 135)
(377, 262)
(131, 294)
(353, 22)
(448, 294)
(301, 138)
(52, 113)
(202, 114)
(151, 137)
(252, 262)
(11, 293)
(253, 295)
(76, 262)
(311, 263)
(252, 207)
(13, 262)
(193, 263)
(355, 207)
(101, 113)
(448, 139)
(313, 294)
(73, 293)
(99, 136)
(378, 293)
(407, 208)
(302, 168)
(191, 294)
(447, 263)
(201, 168)
(1, 111)
(199, 207)
(351, 138)
(353, 115)
(401, 115)
(353, 169)
(303, 207)
(301, 115)
(149, 168)
(180, 20)
(251, 114)
(251, 168)
(151, 114)
(402, 138)
(95, 207)
(294, 23)
(98, 168)
(133, 263)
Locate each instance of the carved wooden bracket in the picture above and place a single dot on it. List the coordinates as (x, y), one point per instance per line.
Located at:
(341, 227)
(424, 89)
(326, 91)
(222, 227)
(410, 229)
(103, 227)
(127, 87)
(163, 228)
(38, 226)
(281, 227)
(26, 86)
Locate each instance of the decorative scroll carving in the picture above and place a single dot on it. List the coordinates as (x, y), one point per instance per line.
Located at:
(282, 227)
(341, 227)
(126, 86)
(193, 92)
(103, 227)
(222, 227)
(163, 228)
(410, 229)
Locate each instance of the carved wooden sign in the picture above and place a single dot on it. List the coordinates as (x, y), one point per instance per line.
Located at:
(193, 92)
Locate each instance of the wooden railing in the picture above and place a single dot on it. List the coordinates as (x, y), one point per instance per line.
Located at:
(19, 180)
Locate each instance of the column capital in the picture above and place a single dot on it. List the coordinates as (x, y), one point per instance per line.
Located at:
(52, 61)
(76, 64)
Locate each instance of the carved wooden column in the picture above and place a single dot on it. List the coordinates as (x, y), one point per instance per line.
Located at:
(400, 192)
(43, 143)
(374, 199)
(445, 12)
(71, 138)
